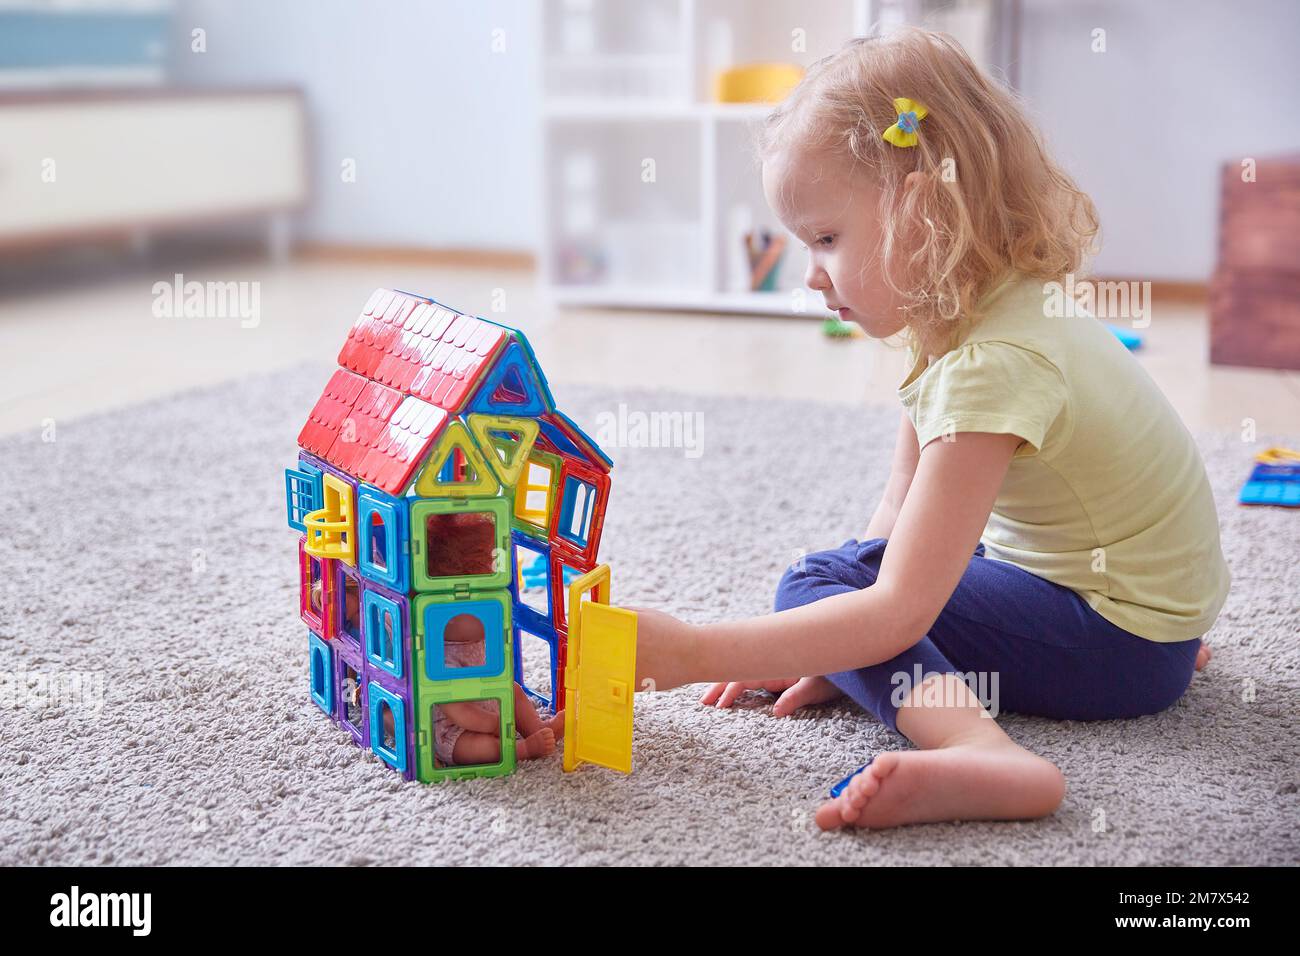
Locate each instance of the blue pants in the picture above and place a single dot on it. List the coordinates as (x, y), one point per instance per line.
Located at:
(1024, 644)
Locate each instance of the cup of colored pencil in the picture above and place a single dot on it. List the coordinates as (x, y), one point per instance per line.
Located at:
(764, 250)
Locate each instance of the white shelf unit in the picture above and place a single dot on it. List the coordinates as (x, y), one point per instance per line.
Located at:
(626, 83)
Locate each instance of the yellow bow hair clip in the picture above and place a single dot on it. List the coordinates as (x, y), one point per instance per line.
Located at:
(910, 114)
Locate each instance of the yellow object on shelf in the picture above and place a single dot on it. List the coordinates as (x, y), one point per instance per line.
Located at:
(599, 677)
(757, 83)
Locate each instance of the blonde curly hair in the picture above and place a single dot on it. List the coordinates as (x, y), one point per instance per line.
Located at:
(991, 201)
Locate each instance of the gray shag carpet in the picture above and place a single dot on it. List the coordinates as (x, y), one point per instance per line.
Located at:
(156, 707)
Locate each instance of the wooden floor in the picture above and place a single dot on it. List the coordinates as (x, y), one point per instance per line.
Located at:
(72, 349)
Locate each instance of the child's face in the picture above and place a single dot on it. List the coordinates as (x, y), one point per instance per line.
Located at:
(833, 213)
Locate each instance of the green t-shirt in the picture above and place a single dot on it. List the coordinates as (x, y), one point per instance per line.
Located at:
(1107, 495)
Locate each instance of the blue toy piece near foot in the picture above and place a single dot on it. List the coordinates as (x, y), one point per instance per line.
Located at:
(839, 787)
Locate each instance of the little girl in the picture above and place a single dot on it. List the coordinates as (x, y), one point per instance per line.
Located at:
(1047, 536)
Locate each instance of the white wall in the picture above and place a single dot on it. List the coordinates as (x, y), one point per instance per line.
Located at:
(1183, 86)
(443, 130)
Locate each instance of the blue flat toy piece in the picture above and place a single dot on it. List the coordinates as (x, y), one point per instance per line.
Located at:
(533, 578)
(839, 787)
(1130, 340)
(534, 574)
(1272, 485)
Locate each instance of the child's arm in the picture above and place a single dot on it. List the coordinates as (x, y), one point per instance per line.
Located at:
(881, 525)
(906, 456)
(938, 527)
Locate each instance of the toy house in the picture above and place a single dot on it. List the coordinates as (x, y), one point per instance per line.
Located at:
(440, 493)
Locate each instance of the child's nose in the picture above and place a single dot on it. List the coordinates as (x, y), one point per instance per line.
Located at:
(816, 277)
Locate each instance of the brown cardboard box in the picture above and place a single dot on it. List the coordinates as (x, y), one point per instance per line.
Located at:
(1255, 293)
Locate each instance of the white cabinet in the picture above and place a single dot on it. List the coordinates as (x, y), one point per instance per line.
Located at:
(649, 185)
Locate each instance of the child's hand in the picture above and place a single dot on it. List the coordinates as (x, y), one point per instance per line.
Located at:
(665, 649)
(726, 693)
(794, 694)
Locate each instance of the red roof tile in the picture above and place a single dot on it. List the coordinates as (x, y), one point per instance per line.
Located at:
(371, 431)
(409, 364)
(334, 404)
(421, 348)
(400, 445)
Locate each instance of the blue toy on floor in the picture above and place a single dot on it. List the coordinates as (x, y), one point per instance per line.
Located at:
(1275, 479)
(1130, 340)
(839, 787)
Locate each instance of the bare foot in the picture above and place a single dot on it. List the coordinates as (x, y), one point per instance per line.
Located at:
(1203, 655)
(985, 780)
(540, 744)
(555, 724)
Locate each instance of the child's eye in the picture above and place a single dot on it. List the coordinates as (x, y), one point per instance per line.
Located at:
(825, 240)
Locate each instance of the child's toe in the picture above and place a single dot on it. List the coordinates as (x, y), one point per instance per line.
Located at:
(828, 815)
(865, 786)
(883, 765)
